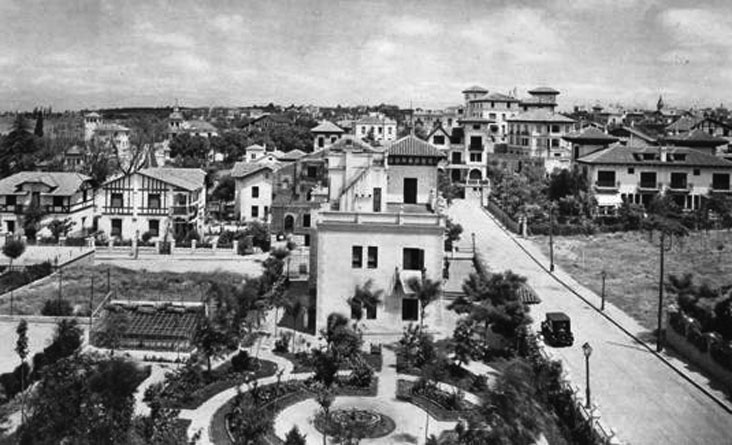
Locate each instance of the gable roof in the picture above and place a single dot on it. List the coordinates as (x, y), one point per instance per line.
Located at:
(541, 115)
(61, 183)
(350, 142)
(436, 129)
(185, 178)
(590, 134)
(475, 89)
(373, 120)
(327, 127)
(618, 154)
(413, 146)
(696, 137)
(543, 90)
(495, 97)
(292, 155)
(682, 124)
(200, 125)
(632, 132)
(242, 169)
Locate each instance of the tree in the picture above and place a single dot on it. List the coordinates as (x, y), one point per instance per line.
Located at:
(38, 132)
(211, 342)
(189, 151)
(60, 227)
(21, 348)
(364, 297)
(19, 149)
(32, 217)
(113, 330)
(96, 162)
(13, 248)
(225, 189)
(325, 398)
(453, 231)
(426, 291)
(295, 437)
(160, 426)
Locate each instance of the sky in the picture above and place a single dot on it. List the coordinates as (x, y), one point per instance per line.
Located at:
(78, 54)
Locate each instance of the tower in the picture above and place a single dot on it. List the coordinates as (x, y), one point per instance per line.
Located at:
(91, 122)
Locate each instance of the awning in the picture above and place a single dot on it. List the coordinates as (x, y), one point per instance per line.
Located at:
(608, 200)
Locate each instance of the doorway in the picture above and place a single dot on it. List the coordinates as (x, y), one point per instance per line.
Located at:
(410, 190)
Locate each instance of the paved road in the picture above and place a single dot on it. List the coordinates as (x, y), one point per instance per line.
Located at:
(644, 400)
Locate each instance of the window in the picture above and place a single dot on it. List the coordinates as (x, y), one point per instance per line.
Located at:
(10, 200)
(696, 172)
(321, 141)
(153, 200)
(438, 140)
(381, 130)
(476, 126)
(720, 181)
(266, 212)
(678, 181)
(410, 309)
(648, 180)
(457, 158)
(255, 191)
(555, 128)
(333, 139)
(255, 211)
(476, 157)
(631, 171)
(153, 227)
(306, 220)
(116, 227)
(363, 130)
(373, 257)
(356, 257)
(412, 259)
(555, 143)
(312, 171)
(389, 130)
(117, 201)
(58, 201)
(491, 115)
(370, 312)
(606, 178)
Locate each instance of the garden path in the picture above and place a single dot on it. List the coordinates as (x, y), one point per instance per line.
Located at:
(639, 395)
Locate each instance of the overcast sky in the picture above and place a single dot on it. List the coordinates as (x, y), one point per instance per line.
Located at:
(85, 54)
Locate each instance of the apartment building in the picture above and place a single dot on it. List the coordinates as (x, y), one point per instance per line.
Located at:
(635, 174)
(59, 195)
(156, 200)
(539, 133)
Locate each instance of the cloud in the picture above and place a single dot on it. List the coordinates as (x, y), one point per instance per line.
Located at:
(187, 62)
(228, 23)
(411, 26)
(152, 34)
(696, 27)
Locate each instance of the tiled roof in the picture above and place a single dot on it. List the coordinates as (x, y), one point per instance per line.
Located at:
(93, 114)
(61, 183)
(543, 90)
(541, 116)
(73, 150)
(536, 101)
(440, 129)
(475, 89)
(590, 134)
(327, 127)
(243, 169)
(495, 97)
(350, 142)
(413, 146)
(634, 133)
(696, 137)
(255, 147)
(618, 154)
(293, 155)
(185, 178)
(682, 124)
(200, 125)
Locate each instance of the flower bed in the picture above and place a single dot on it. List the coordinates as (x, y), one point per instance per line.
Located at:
(302, 361)
(190, 388)
(354, 423)
(453, 375)
(441, 405)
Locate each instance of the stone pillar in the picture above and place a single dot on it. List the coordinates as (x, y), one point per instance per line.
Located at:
(110, 243)
(236, 246)
(61, 240)
(215, 246)
(157, 246)
(193, 245)
(90, 241)
(172, 246)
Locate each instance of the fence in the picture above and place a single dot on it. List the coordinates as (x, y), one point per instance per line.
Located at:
(502, 217)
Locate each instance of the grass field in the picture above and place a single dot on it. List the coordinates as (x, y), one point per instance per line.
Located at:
(76, 286)
(632, 265)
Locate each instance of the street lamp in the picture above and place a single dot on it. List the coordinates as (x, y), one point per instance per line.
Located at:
(603, 274)
(587, 350)
(473, 236)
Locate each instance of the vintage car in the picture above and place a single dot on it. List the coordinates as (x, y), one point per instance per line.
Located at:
(557, 329)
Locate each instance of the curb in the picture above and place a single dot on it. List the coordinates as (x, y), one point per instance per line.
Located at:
(650, 349)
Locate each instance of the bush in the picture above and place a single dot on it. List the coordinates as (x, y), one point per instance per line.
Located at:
(164, 248)
(146, 237)
(242, 362)
(361, 376)
(57, 308)
(282, 344)
(75, 242)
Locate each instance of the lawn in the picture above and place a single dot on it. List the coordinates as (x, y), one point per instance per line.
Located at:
(632, 265)
(76, 283)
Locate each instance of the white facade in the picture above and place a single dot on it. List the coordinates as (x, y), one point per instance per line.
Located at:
(376, 128)
(253, 195)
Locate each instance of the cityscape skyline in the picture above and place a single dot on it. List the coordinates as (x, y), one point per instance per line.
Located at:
(103, 54)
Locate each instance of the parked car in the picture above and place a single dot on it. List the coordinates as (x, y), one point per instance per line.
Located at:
(557, 329)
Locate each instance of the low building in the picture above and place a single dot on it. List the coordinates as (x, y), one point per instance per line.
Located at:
(588, 140)
(177, 125)
(106, 133)
(59, 195)
(160, 201)
(325, 134)
(635, 174)
(376, 128)
(253, 189)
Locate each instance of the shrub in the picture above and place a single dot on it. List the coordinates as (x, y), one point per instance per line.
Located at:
(695, 336)
(146, 237)
(242, 362)
(75, 242)
(282, 343)
(295, 437)
(361, 376)
(55, 307)
(164, 248)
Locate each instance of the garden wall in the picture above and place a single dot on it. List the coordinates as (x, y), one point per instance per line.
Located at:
(702, 359)
(502, 217)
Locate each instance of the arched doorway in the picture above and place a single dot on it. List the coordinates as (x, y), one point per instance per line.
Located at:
(455, 175)
(289, 223)
(475, 174)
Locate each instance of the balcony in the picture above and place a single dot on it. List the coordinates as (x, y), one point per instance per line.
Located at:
(57, 209)
(680, 187)
(607, 186)
(12, 208)
(152, 211)
(649, 186)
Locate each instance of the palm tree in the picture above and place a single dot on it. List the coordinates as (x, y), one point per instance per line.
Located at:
(295, 308)
(426, 291)
(364, 297)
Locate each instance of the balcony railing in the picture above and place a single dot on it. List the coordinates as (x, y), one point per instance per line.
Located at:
(12, 208)
(115, 210)
(681, 187)
(720, 188)
(152, 211)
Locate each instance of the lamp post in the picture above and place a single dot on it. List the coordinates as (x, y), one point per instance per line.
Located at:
(551, 238)
(587, 350)
(603, 274)
(473, 236)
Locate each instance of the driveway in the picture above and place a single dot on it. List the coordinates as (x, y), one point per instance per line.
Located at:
(639, 396)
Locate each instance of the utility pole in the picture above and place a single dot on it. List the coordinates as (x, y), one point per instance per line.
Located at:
(659, 338)
(551, 238)
(602, 296)
(91, 305)
(108, 280)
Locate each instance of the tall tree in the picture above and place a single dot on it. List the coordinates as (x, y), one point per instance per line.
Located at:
(13, 248)
(38, 132)
(427, 292)
(211, 341)
(21, 348)
(19, 148)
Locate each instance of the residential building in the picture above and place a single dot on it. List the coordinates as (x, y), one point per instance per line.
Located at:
(267, 121)
(588, 140)
(541, 98)
(635, 174)
(538, 133)
(382, 227)
(161, 201)
(325, 134)
(178, 125)
(253, 189)
(699, 140)
(376, 128)
(107, 133)
(60, 195)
